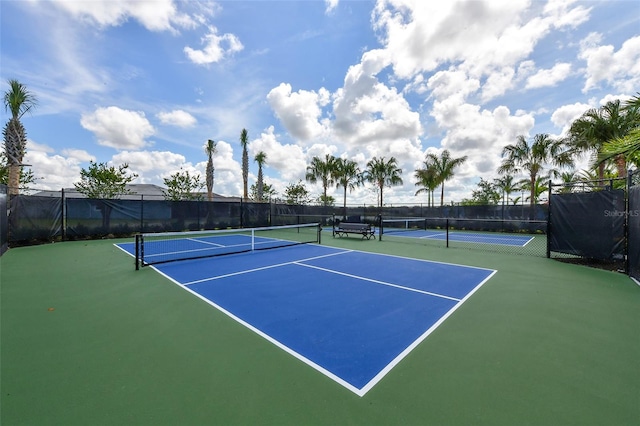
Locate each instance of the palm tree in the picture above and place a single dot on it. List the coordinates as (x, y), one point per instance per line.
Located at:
(323, 170)
(595, 127)
(507, 186)
(532, 159)
(427, 178)
(569, 179)
(444, 167)
(383, 173)
(627, 146)
(19, 101)
(346, 174)
(210, 149)
(244, 142)
(539, 187)
(261, 159)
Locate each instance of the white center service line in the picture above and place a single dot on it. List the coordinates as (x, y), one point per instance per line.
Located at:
(295, 262)
(377, 281)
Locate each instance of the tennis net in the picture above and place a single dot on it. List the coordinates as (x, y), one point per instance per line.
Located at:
(165, 247)
(402, 225)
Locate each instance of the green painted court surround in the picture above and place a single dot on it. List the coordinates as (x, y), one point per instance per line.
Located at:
(87, 340)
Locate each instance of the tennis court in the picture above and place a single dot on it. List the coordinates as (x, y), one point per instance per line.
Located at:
(350, 315)
(252, 338)
(418, 228)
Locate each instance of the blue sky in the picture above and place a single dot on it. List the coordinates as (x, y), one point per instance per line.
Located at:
(148, 82)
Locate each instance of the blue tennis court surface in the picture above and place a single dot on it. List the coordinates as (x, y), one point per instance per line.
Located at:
(350, 315)
(466, 237)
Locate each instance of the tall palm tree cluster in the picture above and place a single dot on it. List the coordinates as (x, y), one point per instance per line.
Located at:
(609, 134)
(346, 173)
(435, 172)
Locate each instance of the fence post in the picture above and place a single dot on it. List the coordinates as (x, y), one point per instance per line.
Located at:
(63, 212)
(141, 213)
(627, 268)
(548, 231)
(333, 225)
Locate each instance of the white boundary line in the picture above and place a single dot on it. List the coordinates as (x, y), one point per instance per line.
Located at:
(268, 337)
(366, 388)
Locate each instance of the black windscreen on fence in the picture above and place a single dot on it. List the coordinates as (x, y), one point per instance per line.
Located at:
(634, 232)
(34, 218)
(590, 225)
(4, 220)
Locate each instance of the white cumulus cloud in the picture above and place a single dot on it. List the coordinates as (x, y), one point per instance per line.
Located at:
(118, 128)
(215, 48)
(177, 118)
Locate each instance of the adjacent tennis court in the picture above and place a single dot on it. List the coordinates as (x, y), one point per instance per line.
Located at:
(350, 315)
(468, 237)
(418, 228)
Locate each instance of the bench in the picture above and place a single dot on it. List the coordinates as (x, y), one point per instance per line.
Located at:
(346, 228)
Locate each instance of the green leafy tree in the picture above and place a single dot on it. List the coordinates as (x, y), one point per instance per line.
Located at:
(444, 166)
(534, 159)
(347, 175)
(261, 159)
(486, 194)
(244, 142)
(383, 173)
(322, 170)
(183, 186)
(17, 100)
(296, 193)
(210, 149)
(268, 192)
(102, 181)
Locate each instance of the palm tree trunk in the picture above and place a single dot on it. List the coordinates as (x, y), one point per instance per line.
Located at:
(14, 179)
(442, 195)
(345, 202)
(532, 199)
(621, 165)
(324, 191)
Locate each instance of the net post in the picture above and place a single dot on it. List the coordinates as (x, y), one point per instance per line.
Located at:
(137, 252)
(447, 226)
(319, 233)
(548, 230)
(379, 227)
(253, 239)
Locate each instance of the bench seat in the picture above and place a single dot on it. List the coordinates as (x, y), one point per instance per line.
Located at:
(364, 229)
